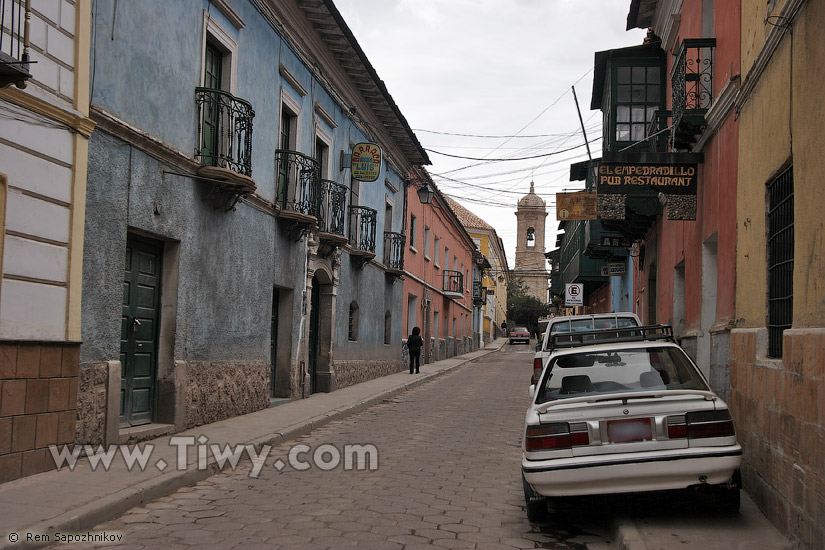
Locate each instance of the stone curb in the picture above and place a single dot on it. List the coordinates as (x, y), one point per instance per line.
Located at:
(111, 506)
(627, 536)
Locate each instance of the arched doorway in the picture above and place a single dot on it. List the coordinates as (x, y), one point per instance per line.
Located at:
(321, 322)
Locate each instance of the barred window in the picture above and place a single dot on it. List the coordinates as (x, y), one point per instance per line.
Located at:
(780, 221)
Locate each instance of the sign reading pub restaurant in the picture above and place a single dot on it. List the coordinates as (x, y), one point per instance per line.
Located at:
(366, 161)
(670, 179)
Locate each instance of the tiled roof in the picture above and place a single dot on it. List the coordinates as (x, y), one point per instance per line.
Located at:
(467, 218)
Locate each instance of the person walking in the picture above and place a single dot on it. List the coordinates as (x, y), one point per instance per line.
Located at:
(414, 343)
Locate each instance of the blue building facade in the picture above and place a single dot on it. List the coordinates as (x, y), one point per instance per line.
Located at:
(230, 256)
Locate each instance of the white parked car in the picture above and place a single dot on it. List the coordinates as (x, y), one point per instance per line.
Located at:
(621, 411)
(576, 323)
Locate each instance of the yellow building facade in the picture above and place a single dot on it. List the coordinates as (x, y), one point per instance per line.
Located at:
(496, 279)
(44, 143)
(778, 345)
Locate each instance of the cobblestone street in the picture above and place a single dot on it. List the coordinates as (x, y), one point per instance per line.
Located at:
(447, 476)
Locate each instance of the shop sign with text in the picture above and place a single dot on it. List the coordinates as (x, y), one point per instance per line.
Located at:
(366, 161)
(576, 206)
(670, 179)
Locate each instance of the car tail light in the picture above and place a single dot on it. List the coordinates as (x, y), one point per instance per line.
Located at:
(537, 366)
(559, 435)
(700, 424)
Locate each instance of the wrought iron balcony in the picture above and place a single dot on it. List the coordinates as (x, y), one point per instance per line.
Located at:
(453, 283)
(224, 131)
(331, 214)
(658, 132)
(14, 42)
(362, 223)
(394, 251)
(692, 85)
(298, 186)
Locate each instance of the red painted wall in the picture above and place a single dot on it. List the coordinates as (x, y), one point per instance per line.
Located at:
(677, 241)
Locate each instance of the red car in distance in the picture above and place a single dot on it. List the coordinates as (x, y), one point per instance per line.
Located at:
(519, 334)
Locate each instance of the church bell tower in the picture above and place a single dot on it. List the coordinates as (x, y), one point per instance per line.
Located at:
(531, 264)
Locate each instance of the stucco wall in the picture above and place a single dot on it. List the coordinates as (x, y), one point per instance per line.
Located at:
(764, 146)
(779, 402)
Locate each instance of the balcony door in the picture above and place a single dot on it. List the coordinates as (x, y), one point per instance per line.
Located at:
(213, 79)
(286, 142)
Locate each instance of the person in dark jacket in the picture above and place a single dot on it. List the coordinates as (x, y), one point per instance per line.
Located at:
(414, 343)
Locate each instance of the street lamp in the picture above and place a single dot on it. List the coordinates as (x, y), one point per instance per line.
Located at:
(425, 194)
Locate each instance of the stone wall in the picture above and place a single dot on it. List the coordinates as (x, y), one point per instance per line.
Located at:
(219, 390)
(38, 404)
(779, 408)
(91, 403)
(348, 373)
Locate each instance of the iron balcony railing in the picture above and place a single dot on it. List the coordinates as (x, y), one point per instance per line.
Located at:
(692, 85)
(331, 214)
(453, 281)
(362, 222)
(14, 42)
(394, 250)
(299, 182)
(658, 132)
(224, 131)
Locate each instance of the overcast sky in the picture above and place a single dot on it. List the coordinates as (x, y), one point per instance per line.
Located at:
(498, 69)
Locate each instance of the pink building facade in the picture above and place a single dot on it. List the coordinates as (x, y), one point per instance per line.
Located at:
(438, 265)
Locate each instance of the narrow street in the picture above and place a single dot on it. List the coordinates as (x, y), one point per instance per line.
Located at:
(447, 476)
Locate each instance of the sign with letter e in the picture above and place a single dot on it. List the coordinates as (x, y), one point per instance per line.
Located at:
(573, 294)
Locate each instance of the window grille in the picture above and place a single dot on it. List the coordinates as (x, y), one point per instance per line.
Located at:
(780, 221)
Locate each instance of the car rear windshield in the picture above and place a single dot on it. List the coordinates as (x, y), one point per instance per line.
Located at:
(519, 329)
(627, 370)
(581, 325)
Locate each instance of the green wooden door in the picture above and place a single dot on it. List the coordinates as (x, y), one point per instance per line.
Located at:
(138, 331)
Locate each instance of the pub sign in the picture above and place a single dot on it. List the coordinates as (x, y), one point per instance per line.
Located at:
(625, 179)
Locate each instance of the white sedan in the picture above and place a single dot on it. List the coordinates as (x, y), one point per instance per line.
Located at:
(631, 413)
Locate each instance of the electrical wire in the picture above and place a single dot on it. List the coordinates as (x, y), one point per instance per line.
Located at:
(511, 159)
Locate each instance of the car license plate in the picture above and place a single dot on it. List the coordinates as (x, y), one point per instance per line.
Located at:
(628, 430)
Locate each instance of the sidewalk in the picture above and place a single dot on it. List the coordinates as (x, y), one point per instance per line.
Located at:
(73, 501)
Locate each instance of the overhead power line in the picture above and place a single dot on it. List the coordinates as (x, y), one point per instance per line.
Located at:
(485, 136)
(509, 159)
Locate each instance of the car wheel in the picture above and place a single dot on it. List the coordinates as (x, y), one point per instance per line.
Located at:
(728, 499)
(536, 505)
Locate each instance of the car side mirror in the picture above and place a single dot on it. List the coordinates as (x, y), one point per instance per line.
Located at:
(532, 391)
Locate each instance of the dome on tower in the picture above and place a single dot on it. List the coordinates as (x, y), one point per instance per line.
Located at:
(531, 199)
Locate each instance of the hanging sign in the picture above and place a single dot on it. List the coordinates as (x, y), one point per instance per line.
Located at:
(573, 294)
(670, 179)
(576, 206)
(366, 161)
(616, 268)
